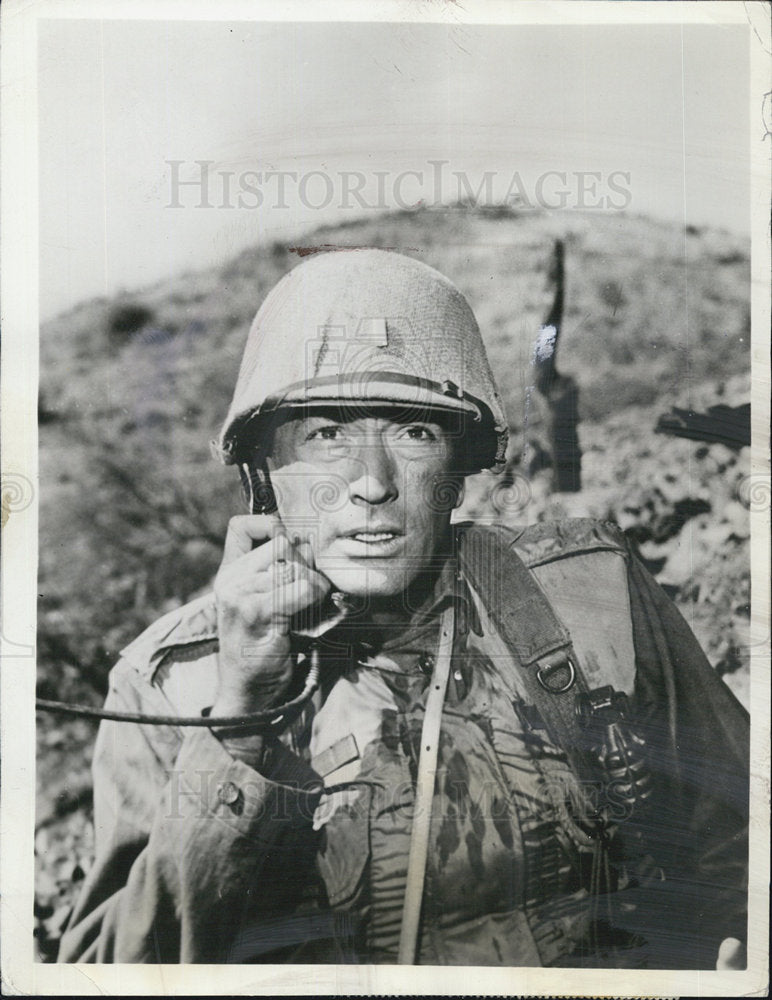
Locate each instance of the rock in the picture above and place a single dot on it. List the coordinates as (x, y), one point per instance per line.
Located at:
(738, 519)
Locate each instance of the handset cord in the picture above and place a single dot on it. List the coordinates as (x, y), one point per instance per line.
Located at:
(269, 718)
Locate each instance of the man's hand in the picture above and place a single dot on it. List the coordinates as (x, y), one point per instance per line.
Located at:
(257, 591)
(731, 954)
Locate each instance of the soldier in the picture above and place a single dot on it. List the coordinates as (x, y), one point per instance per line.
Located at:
(417, 741)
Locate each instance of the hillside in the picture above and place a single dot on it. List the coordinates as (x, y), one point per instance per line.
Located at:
(133, 507)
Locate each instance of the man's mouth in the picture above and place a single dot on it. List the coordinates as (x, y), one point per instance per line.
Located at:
(380, 540)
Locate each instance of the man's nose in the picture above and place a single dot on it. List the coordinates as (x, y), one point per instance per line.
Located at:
(373, 476)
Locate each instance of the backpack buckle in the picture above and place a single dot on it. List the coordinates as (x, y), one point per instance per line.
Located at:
(545, 675)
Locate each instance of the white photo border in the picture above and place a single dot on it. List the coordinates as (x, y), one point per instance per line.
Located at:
(20, 248)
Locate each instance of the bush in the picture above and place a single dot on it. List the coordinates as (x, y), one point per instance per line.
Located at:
(126, 318)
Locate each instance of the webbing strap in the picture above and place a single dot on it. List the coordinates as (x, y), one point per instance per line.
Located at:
(538, 641)
(427, 774)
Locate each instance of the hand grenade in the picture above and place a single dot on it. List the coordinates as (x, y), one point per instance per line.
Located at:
(618, 749)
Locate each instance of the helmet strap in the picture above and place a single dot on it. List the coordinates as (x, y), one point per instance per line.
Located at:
(258, 491)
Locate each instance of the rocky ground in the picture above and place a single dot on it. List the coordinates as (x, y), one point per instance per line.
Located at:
(685, 504)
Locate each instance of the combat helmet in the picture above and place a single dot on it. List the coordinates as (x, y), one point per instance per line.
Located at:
(366, 328)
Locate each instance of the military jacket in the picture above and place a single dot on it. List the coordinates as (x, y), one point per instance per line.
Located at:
(202, 858)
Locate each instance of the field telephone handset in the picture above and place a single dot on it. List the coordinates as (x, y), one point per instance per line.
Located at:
(307, 626)
(313, 621)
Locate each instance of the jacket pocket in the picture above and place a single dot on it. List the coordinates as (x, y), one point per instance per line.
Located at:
(344, 818)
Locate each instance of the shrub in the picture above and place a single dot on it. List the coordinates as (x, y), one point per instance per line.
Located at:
(126, 318)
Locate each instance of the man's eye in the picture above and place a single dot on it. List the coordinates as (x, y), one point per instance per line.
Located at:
(330, 433)
(420, 433)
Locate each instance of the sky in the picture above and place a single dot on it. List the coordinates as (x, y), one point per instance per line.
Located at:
(654, 119)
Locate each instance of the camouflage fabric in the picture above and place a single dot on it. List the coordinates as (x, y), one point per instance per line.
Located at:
(505, 872)
(200, 858)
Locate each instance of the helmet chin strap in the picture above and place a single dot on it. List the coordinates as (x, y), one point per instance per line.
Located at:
(246, 484)
(257, 488)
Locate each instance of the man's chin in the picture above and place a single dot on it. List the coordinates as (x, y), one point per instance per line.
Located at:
(366, 578)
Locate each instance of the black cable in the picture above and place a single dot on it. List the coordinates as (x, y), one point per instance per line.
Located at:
(84, 712)
(269, 717)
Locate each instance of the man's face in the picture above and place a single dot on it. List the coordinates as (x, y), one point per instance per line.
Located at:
(371, 492)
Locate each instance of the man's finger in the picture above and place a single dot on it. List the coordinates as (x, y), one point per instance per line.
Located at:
(277, 573)
(306, 589)
(252, 570)
(731, 954)
(305, 553)
(245, 530)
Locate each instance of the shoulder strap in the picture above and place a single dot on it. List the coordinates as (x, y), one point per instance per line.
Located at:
(537, 639)
(425, 782)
